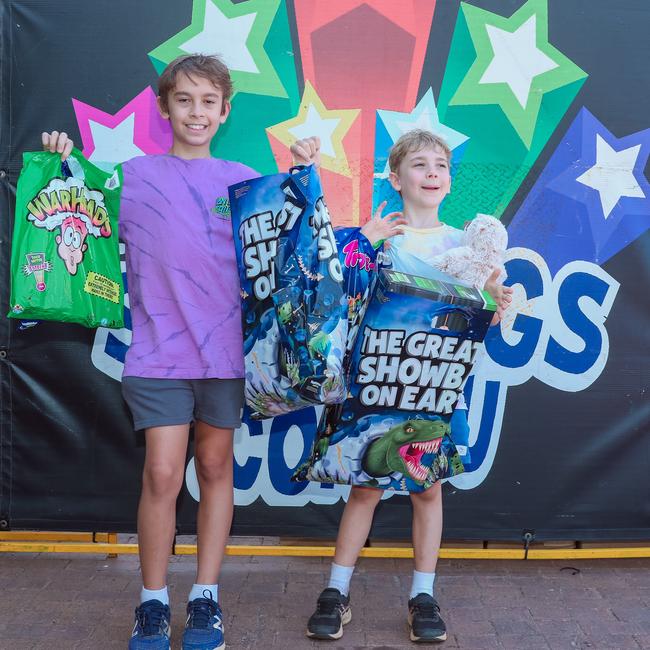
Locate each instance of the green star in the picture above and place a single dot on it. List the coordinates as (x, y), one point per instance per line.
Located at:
(235, 31)
(514, 66)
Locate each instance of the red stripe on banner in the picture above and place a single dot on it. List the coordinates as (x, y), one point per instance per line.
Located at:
(365, 55)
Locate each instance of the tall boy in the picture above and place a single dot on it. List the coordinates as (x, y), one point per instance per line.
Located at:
(419, 171)
(185, 362)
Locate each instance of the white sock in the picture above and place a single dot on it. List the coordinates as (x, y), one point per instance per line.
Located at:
(155, 594)
(422, 583)
(340, 578)
(199, 591)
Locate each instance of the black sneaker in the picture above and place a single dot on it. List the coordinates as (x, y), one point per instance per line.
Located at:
(425, 623)
(332, 613)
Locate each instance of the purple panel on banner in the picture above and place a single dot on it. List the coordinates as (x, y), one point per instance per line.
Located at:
(591, 200)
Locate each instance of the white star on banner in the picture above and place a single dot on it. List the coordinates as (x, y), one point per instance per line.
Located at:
(423, 121)
(517, 61)
(323, 127)
(612, 176)
(224, 35)
(424, 116)
(113, 145)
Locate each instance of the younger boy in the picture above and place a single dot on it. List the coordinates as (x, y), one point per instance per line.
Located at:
(419, 171)
(185, 362)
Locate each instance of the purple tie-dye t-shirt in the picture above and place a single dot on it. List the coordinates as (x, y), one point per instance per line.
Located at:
(181, 269)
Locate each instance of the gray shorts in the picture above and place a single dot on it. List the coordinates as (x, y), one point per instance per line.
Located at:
(168, 402)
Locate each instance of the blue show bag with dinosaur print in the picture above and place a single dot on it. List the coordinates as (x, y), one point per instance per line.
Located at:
(415, 349)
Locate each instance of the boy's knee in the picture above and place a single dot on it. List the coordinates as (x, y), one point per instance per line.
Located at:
(213, 469)
(163, 479)
(365, 496)
(431, 495)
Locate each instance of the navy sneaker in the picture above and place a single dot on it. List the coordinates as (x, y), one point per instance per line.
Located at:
(152, 629)
(204, 625)
(332, 613)
(424, 620)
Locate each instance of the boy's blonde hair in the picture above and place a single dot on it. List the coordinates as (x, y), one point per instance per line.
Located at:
(415, 140)
(208, 66)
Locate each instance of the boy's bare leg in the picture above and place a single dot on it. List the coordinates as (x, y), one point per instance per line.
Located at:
(355, 524)
(424, 619)
(213, 456)
(162, 478)
(427, 527)
(333, 606)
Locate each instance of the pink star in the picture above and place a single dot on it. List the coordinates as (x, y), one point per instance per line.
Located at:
(151, 134)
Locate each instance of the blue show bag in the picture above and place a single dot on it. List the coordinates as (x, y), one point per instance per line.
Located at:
(302, 299)
(416, 347)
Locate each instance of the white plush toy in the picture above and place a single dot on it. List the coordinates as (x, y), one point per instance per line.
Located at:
(486, 240)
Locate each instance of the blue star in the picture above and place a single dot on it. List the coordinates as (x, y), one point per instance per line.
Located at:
(591, 200)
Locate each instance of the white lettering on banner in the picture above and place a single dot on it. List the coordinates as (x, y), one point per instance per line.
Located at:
(271, 481)
(554, 332)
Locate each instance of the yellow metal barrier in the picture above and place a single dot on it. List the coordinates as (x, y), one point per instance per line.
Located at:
(51, 536)
(112, 548)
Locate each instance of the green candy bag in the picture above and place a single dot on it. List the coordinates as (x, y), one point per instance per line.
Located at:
(65, 261)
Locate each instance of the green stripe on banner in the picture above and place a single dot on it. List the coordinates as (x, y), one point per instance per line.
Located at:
(507, 88)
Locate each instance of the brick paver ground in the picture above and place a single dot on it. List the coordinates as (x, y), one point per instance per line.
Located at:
(61, 602)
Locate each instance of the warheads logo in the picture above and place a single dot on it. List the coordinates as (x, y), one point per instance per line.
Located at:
(75, 211)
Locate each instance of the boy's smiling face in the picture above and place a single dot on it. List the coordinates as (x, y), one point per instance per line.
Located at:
(196, 110)
(423, 178)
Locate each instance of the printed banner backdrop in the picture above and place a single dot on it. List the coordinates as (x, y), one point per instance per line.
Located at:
(550, 131)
